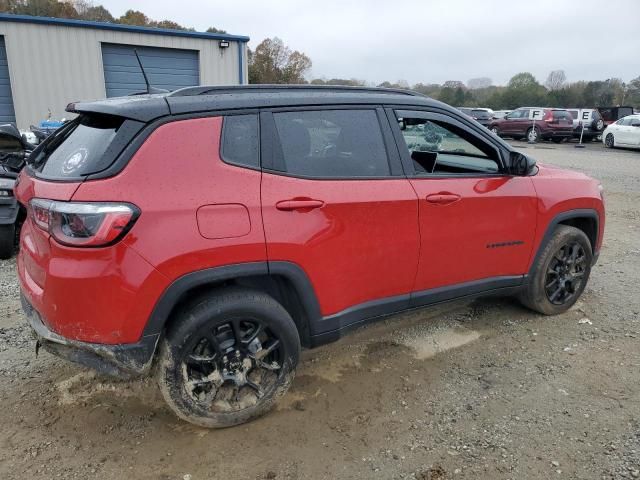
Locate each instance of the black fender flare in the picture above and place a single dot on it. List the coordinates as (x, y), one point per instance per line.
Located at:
(563, 217)
(182, 285)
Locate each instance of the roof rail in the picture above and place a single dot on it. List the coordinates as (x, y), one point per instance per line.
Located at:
(212, 90)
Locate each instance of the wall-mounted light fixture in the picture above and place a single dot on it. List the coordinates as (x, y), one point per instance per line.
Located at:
(224, 44)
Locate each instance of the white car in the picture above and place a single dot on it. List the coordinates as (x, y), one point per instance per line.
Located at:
(623, 133)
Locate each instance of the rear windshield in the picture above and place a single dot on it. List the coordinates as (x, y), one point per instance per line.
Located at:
(81, 147)
(562, 115)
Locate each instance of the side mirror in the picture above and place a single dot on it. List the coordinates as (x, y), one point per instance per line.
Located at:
(521, 165)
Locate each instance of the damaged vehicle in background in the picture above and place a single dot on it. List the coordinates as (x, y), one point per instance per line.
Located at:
(14, 149)
(481, 115)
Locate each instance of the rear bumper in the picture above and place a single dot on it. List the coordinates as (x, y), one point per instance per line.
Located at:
(588, 131)
(125, 360)
(557, 134)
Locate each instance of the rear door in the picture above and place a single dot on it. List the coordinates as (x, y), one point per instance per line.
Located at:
(335, 202)
(476, 222)
(516, 122)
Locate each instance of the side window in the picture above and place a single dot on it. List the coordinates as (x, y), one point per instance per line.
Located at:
(240, 144)
(441, 148)
(331, 143)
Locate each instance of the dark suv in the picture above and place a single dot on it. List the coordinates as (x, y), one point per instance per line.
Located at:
(216, 230)
(483, 116)
(534, 124)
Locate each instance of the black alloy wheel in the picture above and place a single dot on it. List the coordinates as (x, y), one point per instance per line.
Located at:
(232, 366)
(565, 273)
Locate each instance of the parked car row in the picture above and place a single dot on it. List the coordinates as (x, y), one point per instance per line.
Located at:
(545, 123)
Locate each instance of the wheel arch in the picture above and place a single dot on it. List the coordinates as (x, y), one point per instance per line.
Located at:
(586, 220)
(286, 282)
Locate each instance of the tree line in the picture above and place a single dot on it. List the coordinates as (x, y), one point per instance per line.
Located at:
(87, 10)
(274, 62)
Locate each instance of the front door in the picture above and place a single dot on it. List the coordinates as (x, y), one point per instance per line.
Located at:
(477, 222)
(336, 203)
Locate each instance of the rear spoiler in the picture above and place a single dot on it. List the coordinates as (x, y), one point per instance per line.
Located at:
(142, 108)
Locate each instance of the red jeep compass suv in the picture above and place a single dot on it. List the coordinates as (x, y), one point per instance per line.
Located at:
(213, 231)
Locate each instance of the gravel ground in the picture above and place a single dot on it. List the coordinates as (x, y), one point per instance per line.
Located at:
(473, 390)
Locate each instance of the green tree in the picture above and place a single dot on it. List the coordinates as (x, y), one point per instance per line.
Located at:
(523, 90)
(134, 17)
(632, 96)
(215, 30)
(170, 24)
(274, 62)
(350, 82)
(97, 14)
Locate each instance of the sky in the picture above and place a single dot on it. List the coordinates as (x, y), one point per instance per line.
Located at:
(429, 41)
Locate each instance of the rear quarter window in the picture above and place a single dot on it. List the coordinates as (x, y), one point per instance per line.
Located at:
(86, 145)
(240, 144)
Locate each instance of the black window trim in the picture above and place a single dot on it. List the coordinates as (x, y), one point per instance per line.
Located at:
(256, 113)
(432, 114)
(269, 138)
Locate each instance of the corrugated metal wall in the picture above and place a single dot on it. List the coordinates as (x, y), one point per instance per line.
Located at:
(51, 66)
(7, 115)
(166, 68)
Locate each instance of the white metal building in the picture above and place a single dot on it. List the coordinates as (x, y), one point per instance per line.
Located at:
(46, 63)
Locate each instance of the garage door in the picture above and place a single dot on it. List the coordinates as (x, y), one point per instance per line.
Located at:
(166, 68)
(7, 113)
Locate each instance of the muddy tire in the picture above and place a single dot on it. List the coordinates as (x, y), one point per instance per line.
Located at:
(560, 273)
(227, 358)
(7, 241)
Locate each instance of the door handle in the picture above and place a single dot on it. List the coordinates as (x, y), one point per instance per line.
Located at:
(443, 198)
(299, 204)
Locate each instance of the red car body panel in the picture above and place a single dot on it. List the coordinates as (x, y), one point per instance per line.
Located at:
(357, 240)
(104, 309)
(361, 245)
(560, 190)
(465, 240)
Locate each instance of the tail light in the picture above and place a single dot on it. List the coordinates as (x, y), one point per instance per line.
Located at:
(77, 224)
(548, 116)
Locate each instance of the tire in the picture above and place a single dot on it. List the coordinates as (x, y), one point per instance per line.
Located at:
(609, 141)
(495, 131)
(550, 275)
(7, 241)
(199, 382)
(533, 135)
(597, 125)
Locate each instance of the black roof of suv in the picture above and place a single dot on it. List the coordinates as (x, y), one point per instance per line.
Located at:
(145, 108)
